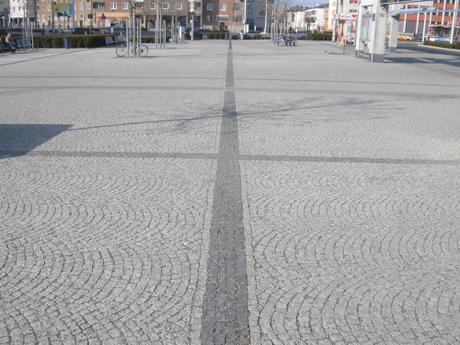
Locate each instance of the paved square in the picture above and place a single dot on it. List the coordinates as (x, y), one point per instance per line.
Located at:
(207, 195)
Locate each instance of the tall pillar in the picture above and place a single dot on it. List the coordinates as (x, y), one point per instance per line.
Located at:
(454, 22)
(405, 21)
(394, 30)
(443, 16)
(371, 30)
(359, 46)
(424, 28)
(378, 33)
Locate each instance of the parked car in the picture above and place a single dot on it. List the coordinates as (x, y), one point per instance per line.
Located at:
(405, 36)
(436, 38)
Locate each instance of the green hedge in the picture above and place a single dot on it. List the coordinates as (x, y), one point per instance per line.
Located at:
(77, 41)
(148, 39)
(216, 35)
(320, 36)
(455, 45)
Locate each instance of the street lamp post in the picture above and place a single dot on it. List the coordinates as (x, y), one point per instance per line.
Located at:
(244, 15)
(192, 21)
(266, 17)
(157, 23)
(334, 29)
(454, 22)
(91, 18)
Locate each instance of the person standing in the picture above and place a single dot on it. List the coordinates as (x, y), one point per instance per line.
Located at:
(9, 43)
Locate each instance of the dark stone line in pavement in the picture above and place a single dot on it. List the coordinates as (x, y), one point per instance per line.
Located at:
(243, 157)
(225, 318)
(324, 159)
(106, 154)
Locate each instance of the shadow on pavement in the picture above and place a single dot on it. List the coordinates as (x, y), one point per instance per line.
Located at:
(19, 139)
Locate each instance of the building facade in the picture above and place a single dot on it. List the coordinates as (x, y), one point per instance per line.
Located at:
(310, 19)
(317, 18)
(438, 23)
(230, 15)
(17, 12)
(113, 13)
(222, 15)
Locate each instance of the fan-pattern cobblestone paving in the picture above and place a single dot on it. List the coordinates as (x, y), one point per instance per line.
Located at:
(345, 177)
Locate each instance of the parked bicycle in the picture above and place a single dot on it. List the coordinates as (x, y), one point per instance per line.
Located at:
(136, 50)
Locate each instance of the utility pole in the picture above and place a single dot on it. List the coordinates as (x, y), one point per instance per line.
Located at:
(157, 23)
(266, 16)
(52, 15)
(405, 21)
(192, 29)
(244, 15)
(336, 13)
(424, 27)
(91, 18)
(454, 22)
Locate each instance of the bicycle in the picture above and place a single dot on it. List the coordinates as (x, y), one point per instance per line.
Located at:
(141, 50)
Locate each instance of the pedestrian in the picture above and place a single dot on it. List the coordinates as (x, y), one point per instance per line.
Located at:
(9, 43)
(241, 35)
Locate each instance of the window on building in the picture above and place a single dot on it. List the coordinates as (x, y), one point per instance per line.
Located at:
(179, 6)
(113, 5)
(209, 7)
(165, 5)
(153, 5)
(223, 7)
(125, 6)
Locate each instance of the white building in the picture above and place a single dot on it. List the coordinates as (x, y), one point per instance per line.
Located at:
(296, 20)
(316, 18)
(312, 19)
(17, 11)
(344, 8)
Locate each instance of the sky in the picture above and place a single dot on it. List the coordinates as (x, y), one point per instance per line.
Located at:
(308, 3)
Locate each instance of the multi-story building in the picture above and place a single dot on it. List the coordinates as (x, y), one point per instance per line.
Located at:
(317, 18)
(230, 14)
(181, 10)
(438, 22)
(17, 12)
(108, 13)
(297, 19)
(310, 19)
(222, 15)
(256, 13)
(342, 10)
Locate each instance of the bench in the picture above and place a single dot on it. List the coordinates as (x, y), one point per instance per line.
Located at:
(120, 40)
(23, 44)
(284, 41)
(110, 40)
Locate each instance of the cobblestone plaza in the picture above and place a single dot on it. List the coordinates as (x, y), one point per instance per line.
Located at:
(229, 194)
